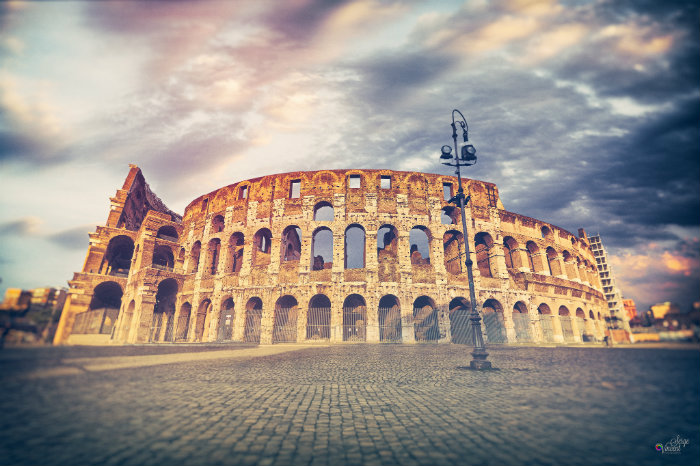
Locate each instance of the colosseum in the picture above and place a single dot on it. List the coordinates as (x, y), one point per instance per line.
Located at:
(329, 256)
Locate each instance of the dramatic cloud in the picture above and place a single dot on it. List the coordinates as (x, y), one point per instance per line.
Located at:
(584, 113)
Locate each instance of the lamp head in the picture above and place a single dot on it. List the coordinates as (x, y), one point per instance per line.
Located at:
(446, 152)
(469, 154)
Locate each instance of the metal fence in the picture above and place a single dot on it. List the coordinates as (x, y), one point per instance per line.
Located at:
(354, 323)
(96, 321)
(390, 324)
(546, 324)
(581, 324)
(495, 328)
(318, 323)
(284, 329)
(425, 324)
(226, 324)
(566, 328)
(521, 322)
(252, 325)
(461, 327)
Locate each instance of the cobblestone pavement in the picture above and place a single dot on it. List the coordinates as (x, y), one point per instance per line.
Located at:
(357, 404)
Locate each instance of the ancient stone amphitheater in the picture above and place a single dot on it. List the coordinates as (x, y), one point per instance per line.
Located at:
(329, 256)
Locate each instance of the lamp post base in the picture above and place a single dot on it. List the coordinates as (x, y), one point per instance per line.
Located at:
(479, 361)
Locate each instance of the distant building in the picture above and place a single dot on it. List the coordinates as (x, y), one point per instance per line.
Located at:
(618, 319)
(630, 308)
(16, 299)
(29, 316)
(660, 310)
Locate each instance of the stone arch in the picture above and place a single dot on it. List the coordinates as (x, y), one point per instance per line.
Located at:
(521, 322)
(388, 253)
(354, 318)
(590, 314)
(565, 321)
(181, 258)
(453, 246)
(194, 256)
(163, 257)
(322, 249)
(545, 314)
(569, 265)
(117, 258)
(290, 246)
(494, 321)
(253, 317)
(203, 316)
(236, 249)
(324, 212)
(261, 247)
(217, 224)
(389, 316)
(425, 319)
(318, 321)
(227, 317)
(102, 312)
(214, 250)
(284, 326)
(419, 239)
(168, 233)
(106, 295)
(483, 244)
(460, 326)
(511, 250)
(553, 262)
(533, 257)
(164, 311)
(354, 247)
(183, 323)
(546, 232)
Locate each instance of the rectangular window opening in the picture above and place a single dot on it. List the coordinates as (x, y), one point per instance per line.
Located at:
(295, 189)
(355, 182)
(243, 193)
(385, 182)
(491, 193)
(447, 191)
(205, 204)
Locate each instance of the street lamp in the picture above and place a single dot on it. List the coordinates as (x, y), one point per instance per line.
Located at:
(466, 157)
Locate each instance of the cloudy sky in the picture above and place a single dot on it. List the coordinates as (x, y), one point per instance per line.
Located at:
(584, 113)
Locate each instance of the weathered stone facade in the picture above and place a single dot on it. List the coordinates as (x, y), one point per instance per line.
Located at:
(330, 255)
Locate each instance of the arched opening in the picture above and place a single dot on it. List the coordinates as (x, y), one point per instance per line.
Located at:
(521, 322)
(261, 247)
(168, 233)
(354, 318)
(290, 248)
(214, 249)
(569, 265)
(545, 314)
(566, 327)
(164, 311)
(217, 224)
(389, 319)
(511, 252)
(483, 244)
(419, 240)
(591, 315)
(533, 257)
(181, 258)
(318, 321)
(203, 315)
(194, 256)
(253, 316)
(323, 212)
(235, 245)
(425, 320)
(494, 322)
(553, 262)
(183, 323)
(102, 312)
(580, 322)
(449, 215)
(117, 258)
(355, 247)
(322, 249)
(453, 245)
(163, 258)
(388, 254)
(546, 232)
(284, 328)
(461, 329)
(226, 319)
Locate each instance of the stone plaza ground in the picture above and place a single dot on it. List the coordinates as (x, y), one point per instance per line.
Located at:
(347, 405)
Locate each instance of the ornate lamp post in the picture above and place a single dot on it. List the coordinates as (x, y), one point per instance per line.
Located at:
(466, 157)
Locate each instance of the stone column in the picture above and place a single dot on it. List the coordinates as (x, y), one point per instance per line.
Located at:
(511, 334)
(144, 317)
(557, 332)
(266, 323)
